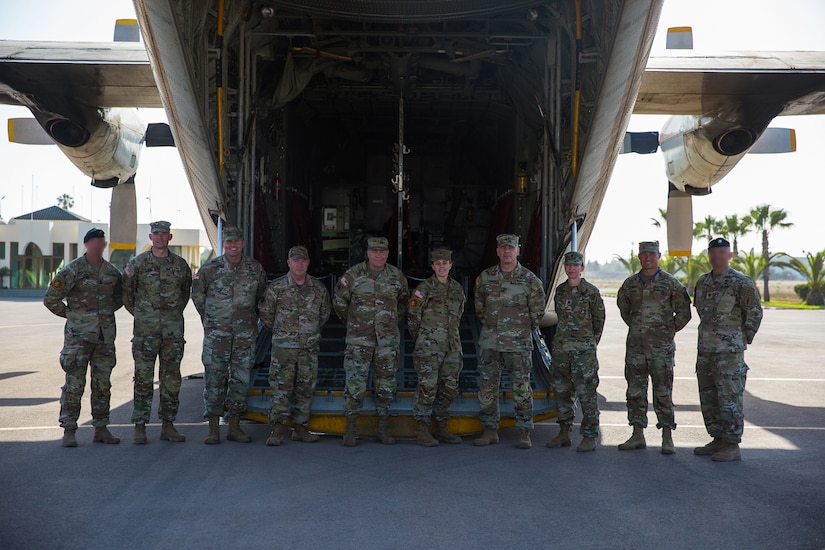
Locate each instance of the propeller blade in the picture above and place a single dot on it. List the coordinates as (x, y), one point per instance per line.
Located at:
(123, 217)
(127, 30)
(158, 134)
(775, 140)
(679, 38)
(679, 222)
(643, 143)
(28, 132)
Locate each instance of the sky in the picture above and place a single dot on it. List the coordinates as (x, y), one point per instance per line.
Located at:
(32, 177)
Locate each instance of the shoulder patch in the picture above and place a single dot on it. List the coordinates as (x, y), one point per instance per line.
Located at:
(343, 281)
(418, 293)
(59, 283)
(197, 275)
(415, 302)
(127, 270)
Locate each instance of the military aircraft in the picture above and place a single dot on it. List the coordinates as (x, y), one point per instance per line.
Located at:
(323, 122)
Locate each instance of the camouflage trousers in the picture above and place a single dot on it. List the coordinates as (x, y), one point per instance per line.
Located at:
(722, 378)
(576, 374)
(169, 352)
(490, 365)
(227, 362)
(74, 357)
(357, 362)
(656, 363)
(437, 383)
(293, 374)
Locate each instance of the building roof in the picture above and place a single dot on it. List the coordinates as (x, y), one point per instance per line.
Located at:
(52, 213)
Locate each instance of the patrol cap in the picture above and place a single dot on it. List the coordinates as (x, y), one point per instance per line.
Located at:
(442, 254)
(507, 239)
(649, 246)
(231, 233)
(160, 227)
(718, 242)
(298, 252)
(573, 258)
(378, 243)
(94, 233)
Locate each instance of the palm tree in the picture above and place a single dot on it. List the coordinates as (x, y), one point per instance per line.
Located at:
(734, 227)
(692, 268)
(657, 222)
(766, 220)
(632, 263)
(670, 264)
(65, 201)
(814, 273)
(708, 228)
(750, 263)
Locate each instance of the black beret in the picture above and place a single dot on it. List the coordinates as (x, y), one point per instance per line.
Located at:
(94, 233)
(718, 242)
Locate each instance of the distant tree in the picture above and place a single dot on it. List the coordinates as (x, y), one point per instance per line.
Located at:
(662, 219)
(734, 227)
(813, 270)
(692, 268)
(750, 263)
(631, 263)
(707, 228)
(766, 220)
(65, 201)
(670, 264)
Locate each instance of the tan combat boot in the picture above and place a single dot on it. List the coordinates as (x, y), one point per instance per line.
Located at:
(425, 438)
(276, 436)
(524, 439)
(169, 433)
(140, 435)
(349, 436)
(445, 435)
(235, 433)
(103, 435)
(214, 435)
(488, 437)
(68, 437)
(300, 433)
(710, 448)
(384, 430)
(588, 444)
(728, 453)
(636, 441)
(562, 439)
(667, 442)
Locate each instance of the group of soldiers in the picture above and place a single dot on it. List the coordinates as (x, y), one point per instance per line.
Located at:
(372, 298)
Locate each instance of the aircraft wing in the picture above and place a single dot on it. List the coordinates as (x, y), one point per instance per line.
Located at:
(687, 82)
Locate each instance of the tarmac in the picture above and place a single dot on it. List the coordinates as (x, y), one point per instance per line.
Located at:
(323, 495)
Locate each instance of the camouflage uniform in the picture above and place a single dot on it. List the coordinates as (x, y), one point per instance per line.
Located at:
(371, 305)
(433, 319)
(509, 306)
(654, 308)
(575, 367)
(226, 295)
(730, 312)
(92, 295)
(295, 314)
(155, 292)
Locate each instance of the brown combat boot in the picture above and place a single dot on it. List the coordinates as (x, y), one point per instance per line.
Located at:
(562, 439)
(636, 441)
(349, 437)
(710, 448)
(488, 437)
(68, 437)
(103, 435)
(235, 433)
(524, 439)
(425, 438)
(384, 430)
(588, 444)
(276, 436)
(728, 453)
(169, 433)
(445, 435)
(214, 435)
(140, 435)
(667, 442)
(300, 433)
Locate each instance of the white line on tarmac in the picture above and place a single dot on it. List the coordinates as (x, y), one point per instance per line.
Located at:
(750, 379)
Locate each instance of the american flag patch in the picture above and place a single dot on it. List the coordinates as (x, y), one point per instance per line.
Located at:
(127, 270)
(419, 293)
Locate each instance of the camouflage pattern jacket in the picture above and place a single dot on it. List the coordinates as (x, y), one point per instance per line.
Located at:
(654, 311)
(227, 295)
(581, 317)
(155, 292)
(730, 311)
(295, 314)
(435, 315)
(372, 307)
(509, 306)
(92, 297)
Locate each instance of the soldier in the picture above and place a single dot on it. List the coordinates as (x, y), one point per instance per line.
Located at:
(371, 298)
(433, 318)
(92, 289)
(730, 311)
(295, 307)
(655, 306)
(509, 302)
(226, 292)
(156, 287)
(580, 309)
